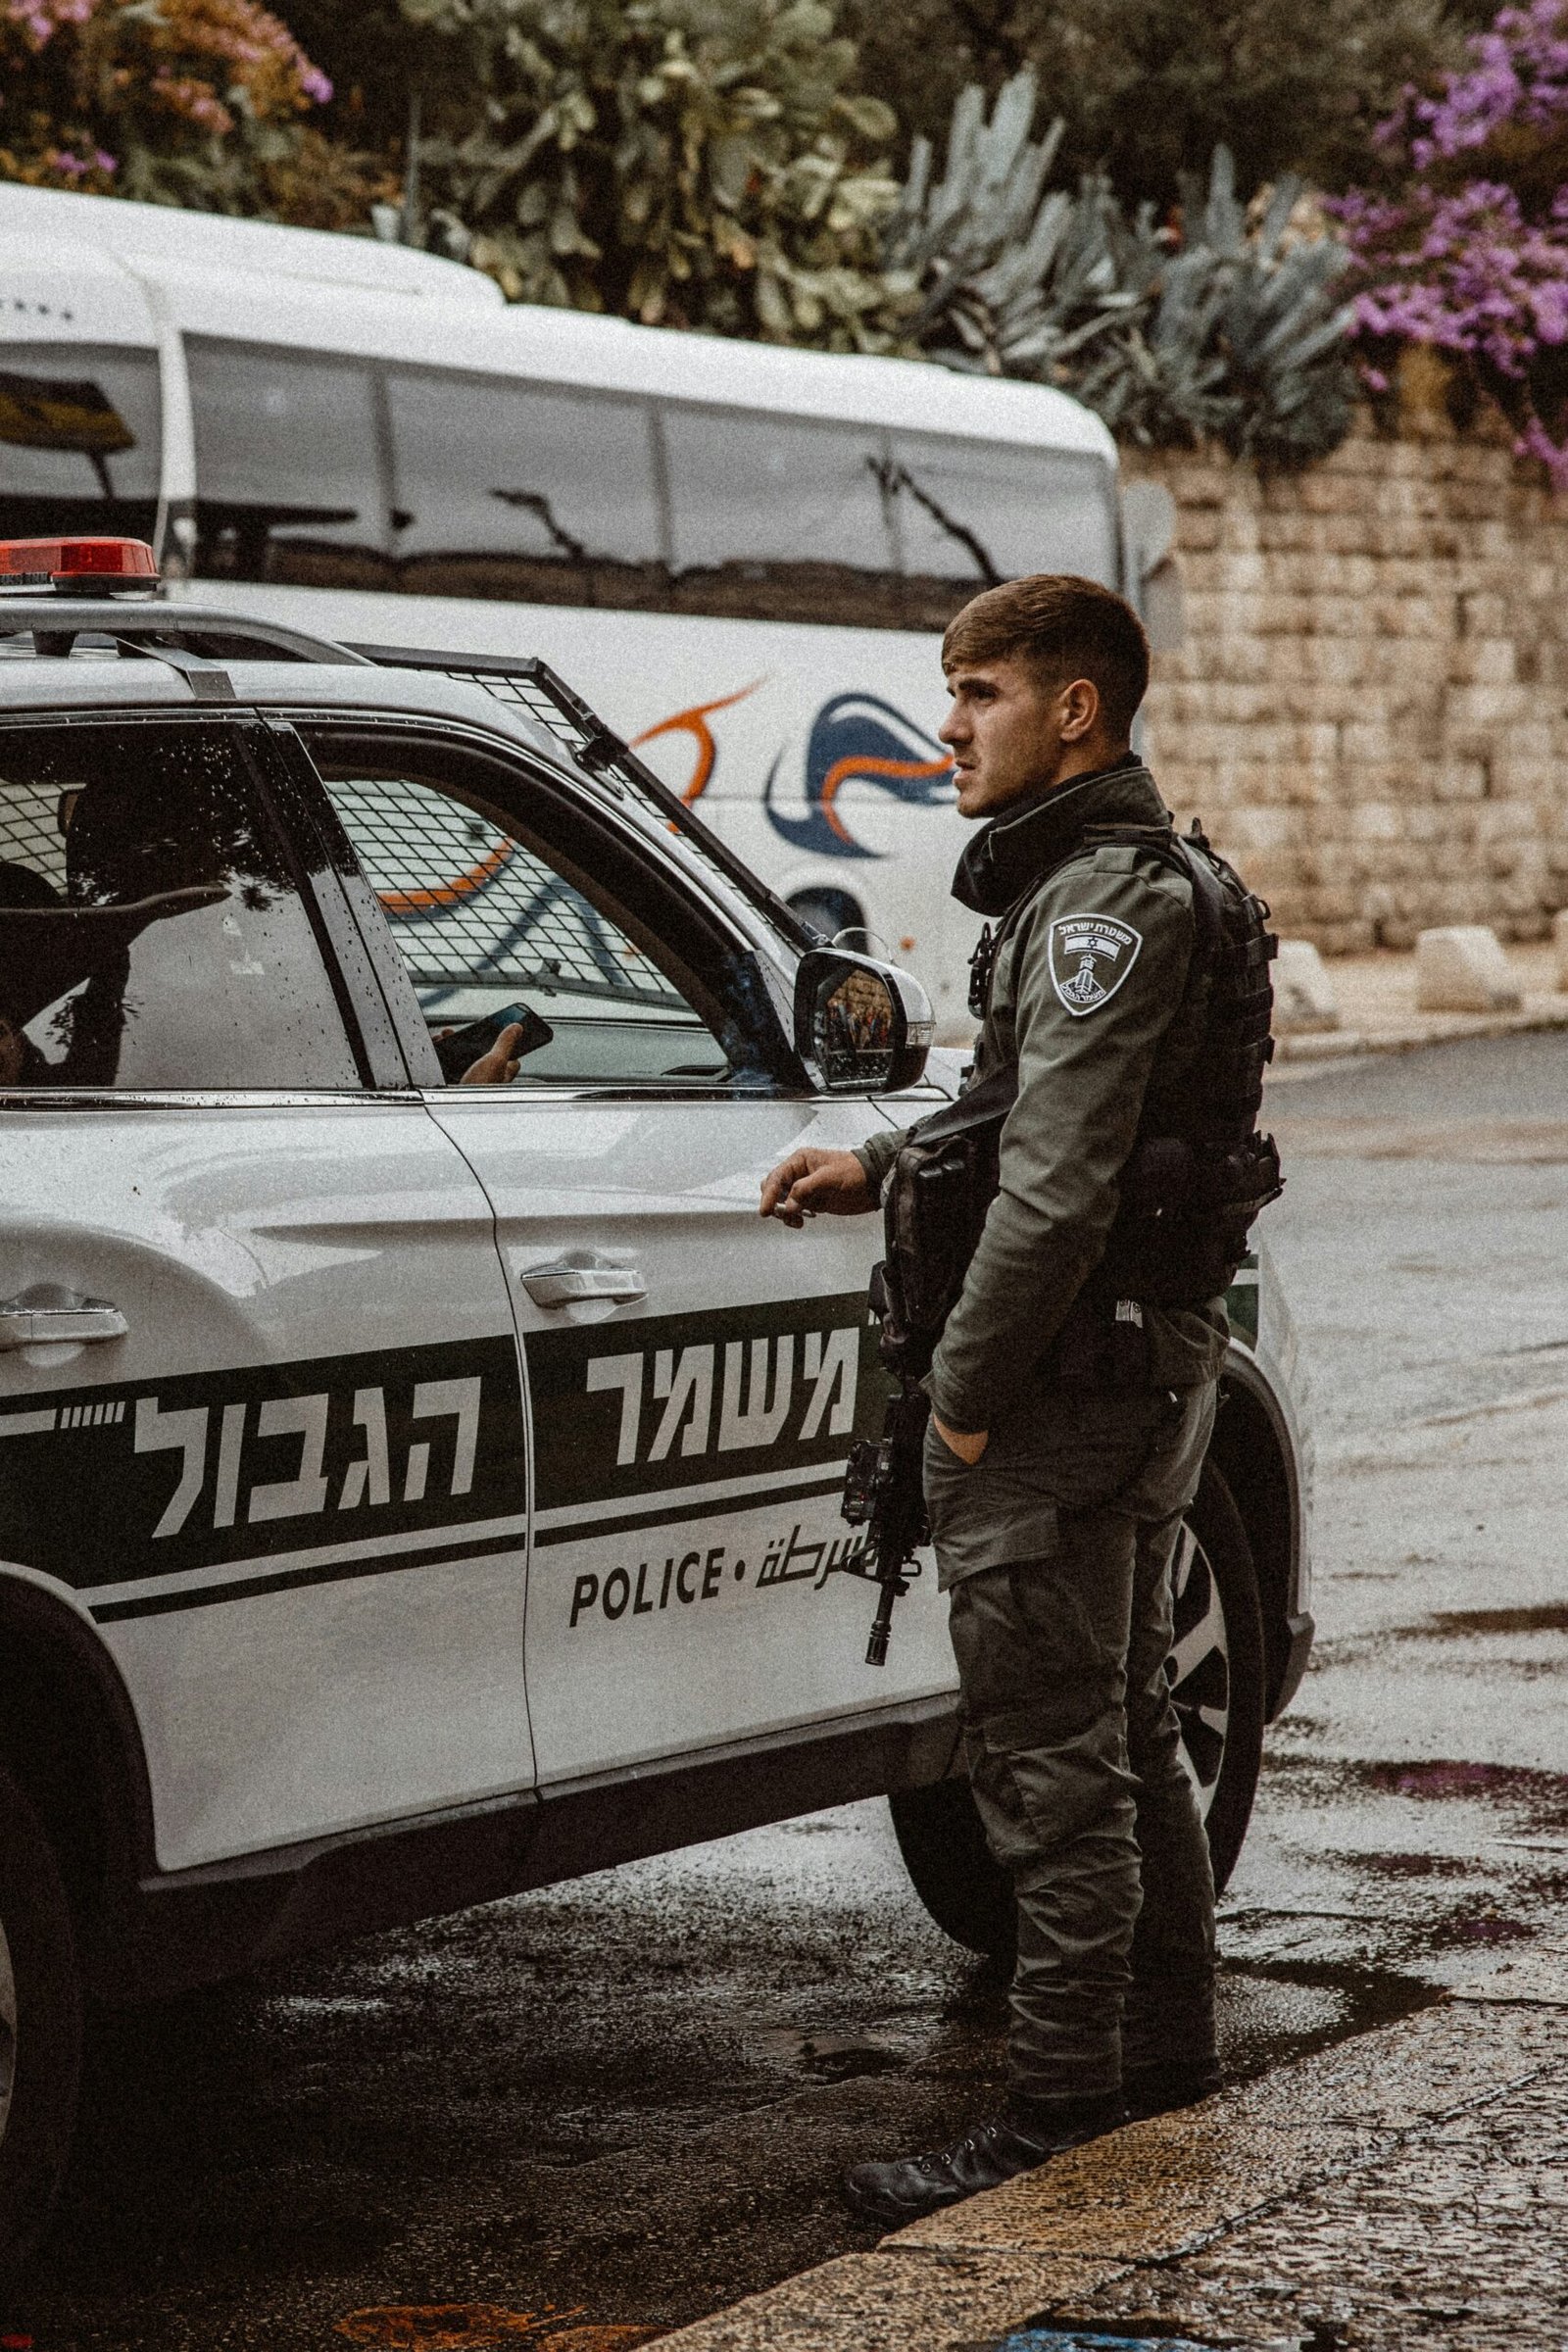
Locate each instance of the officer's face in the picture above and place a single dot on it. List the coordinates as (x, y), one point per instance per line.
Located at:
(1011, 733)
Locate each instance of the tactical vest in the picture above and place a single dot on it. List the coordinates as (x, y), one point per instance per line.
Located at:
(1196, 1178)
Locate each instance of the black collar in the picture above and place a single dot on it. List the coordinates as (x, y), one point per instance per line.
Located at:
(1023, 842)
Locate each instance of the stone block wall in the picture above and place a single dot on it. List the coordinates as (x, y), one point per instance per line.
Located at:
(1370, 710)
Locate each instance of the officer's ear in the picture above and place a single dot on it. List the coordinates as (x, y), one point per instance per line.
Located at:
(1079, 705)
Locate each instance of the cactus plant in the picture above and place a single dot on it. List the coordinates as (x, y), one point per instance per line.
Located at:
(1225, 330)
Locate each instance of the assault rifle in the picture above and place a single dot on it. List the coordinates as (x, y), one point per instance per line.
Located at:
(933, 1206)
(884, 1493)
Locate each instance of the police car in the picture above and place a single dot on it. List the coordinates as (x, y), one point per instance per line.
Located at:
(419, 1464)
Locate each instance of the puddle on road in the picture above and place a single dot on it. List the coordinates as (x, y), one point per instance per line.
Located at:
(829, 2057)
(1064, 2337)
(1442, 1625)
(1408, 1866)
(1089, 2339)
(1457, 1625)
(482, 2328)
(1442, 1780)
(1272, 2012)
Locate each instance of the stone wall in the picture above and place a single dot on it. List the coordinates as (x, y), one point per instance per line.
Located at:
(1370, 710)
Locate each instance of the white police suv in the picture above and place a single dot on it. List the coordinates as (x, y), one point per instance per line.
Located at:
(419, 1465)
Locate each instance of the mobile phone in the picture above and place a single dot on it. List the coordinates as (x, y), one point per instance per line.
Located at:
(461, 1048)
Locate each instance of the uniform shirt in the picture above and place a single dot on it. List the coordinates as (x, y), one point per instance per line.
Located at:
(1092, 994)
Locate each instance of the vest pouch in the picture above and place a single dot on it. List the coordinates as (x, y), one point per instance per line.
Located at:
(1157, 1178)
(934, 1206)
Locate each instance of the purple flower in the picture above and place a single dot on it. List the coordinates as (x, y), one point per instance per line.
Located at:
(1467, 269)
(1518, 74)
(1536, 442)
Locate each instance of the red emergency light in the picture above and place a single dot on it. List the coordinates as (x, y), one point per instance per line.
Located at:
(77, 566)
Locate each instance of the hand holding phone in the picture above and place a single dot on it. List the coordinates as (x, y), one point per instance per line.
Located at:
(488, 1050)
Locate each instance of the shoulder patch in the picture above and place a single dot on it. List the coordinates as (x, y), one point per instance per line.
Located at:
(1091, 956)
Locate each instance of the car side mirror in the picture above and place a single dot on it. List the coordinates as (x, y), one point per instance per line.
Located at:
(864, 1027)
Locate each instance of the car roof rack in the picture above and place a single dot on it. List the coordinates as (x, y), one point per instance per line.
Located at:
(598, 751)
(56, 622)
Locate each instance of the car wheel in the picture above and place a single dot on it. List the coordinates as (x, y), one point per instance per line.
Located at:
(1217, 1666)
(40, 2025)
(1216, 1672)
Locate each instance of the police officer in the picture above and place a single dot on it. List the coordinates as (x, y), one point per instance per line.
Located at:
(1068, 1426)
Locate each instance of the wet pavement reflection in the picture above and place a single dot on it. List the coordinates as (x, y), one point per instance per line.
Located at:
(602, 2110)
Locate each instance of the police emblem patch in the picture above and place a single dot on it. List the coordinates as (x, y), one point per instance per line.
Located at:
(1091, 956)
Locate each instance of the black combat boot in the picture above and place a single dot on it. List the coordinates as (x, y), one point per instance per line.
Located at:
(993, 2152)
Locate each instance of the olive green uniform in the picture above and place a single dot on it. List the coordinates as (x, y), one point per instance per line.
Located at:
(1056, 1547)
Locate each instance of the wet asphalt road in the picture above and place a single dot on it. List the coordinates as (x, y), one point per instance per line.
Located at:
(620, 2104)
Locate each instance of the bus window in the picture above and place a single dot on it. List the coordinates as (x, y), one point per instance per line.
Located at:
(780, 518)
(971, 513)
(80, 431)
(290, 479)
(509, 490)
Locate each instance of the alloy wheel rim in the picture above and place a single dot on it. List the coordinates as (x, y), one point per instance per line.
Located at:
(1199, 1667)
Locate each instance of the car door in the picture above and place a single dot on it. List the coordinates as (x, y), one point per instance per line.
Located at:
(696, 1375)
(260, 1410)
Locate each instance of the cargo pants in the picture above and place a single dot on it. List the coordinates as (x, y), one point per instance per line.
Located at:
(1073, 1744)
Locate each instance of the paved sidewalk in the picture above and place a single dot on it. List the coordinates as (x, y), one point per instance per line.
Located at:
(1405, 2189)
(1376, 997)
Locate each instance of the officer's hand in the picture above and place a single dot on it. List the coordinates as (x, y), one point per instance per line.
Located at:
(499, 1066)
(812, 1184)
(967, 1445)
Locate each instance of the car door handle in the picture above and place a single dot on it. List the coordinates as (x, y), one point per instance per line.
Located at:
(46, 1312)
(569, 1278)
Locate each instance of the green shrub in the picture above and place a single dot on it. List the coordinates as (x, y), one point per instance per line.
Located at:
(1227, 329)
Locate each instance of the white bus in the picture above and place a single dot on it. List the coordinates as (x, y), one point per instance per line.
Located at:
(742, 556)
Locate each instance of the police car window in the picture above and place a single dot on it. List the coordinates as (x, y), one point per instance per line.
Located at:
(780, 518)
(79, 440)
(518, 490)
(503, 933)
(971, 513)
(151, 932)
(291, 480)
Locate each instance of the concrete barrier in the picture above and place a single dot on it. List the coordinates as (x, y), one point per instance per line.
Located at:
(1463, 969)
(1559, 940)
(1304, 994)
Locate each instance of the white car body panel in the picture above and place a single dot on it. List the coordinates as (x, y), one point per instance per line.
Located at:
(762, 1634)
(237, 1237)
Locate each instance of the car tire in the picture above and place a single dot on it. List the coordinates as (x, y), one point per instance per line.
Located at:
(1216, 1667)
(40, 2025)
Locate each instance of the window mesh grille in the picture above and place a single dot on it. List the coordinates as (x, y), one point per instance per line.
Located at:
(29, 834)
(470, 906)
(547, 707)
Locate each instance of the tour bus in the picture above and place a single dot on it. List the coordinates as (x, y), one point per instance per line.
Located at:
(742, 556)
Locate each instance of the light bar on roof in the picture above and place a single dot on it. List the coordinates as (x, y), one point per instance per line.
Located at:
(79, 566)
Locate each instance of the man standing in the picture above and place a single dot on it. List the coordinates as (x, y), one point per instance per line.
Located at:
(1070, 1414)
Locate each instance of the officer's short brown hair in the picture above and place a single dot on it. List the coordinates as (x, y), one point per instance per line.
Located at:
(1065, 629)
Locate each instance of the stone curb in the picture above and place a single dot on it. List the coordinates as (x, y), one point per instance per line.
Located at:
(1155, 2192)
(1317, 1046)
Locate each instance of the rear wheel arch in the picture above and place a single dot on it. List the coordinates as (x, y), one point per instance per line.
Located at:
(69, 1738)
(1251, 1450)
